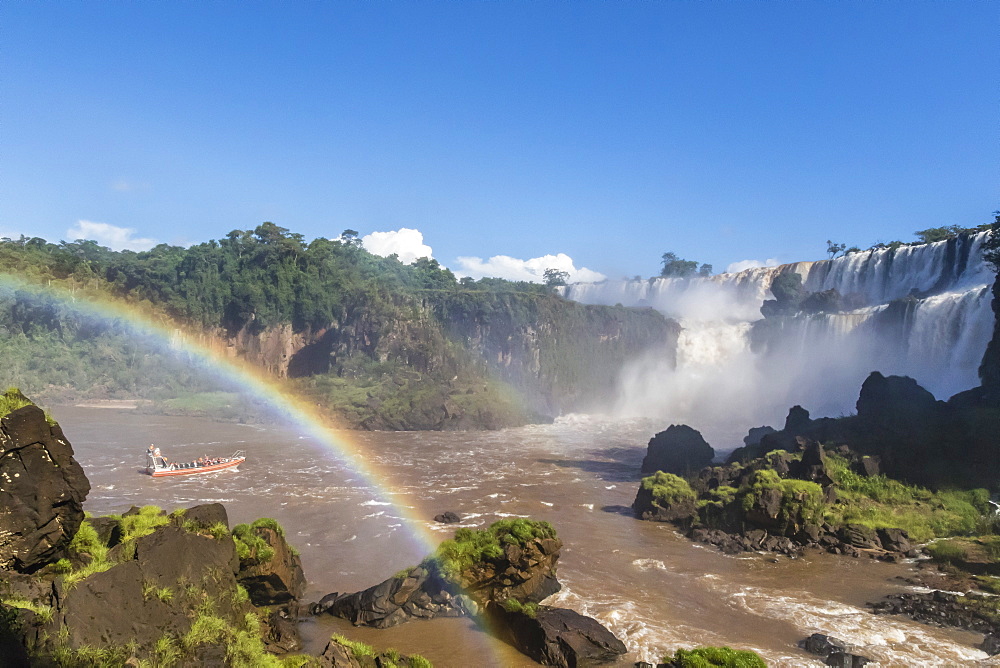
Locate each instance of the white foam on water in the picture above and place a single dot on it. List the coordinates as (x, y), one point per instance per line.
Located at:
(611, 487)
(378, 514)
(348, 540)
(494, 495)
(588, 506)
(546, 503)
(650, 564)
(890, 640)
(647, 638)
(373, 502)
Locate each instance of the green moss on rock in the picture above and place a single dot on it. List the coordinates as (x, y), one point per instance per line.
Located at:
(668, 489)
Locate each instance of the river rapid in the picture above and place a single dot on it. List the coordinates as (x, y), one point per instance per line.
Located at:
(654, 589)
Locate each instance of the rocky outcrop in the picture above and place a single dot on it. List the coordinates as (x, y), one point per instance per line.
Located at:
(448, 517)
(129, 602)
(835, 652)
(162, 577)
(681, 511)
(42, 489)
(555, 636)
(773, 503)
(515, 570)
(419, 593)
(973, 612)
(679, 449)
(523, 572)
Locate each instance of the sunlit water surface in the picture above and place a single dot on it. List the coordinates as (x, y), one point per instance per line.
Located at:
(656, 590)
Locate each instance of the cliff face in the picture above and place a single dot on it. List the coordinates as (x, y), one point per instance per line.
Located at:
(561, 354)
(989, 370)
(449, 360)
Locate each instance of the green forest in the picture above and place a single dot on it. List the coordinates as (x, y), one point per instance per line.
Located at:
(381, 343)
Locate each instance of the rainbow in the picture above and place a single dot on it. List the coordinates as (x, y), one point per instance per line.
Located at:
(248, 379)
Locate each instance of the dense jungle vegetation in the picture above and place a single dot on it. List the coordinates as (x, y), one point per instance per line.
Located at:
(382, 343)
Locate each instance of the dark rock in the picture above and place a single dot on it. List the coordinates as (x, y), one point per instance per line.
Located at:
(991, 644)
(448, 517)
(108, 530)
(813, 465)
(680, 450)
(556, 636)
(894, 398)
(780, 462)
(823, 645)
(282, 630)
(830, 494)
(858, 535)
(895, 540)
(972, 612)
(682, 511)
(765, 510)
(42, 489)
(867, 466)
(797, 423)
(206, 515)
(756, 433)
(115, 606)
(278, 580)
(846, 660)
(421, 593)
(835, 652)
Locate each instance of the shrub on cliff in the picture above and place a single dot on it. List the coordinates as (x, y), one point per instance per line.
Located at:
(668, 489)
(471, 546)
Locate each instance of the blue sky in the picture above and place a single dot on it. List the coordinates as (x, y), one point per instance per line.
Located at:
(607, 131)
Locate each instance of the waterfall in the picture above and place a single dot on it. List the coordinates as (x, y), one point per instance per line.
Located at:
(922, 311)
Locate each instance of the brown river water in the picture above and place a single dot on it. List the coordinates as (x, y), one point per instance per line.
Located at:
(656, 590)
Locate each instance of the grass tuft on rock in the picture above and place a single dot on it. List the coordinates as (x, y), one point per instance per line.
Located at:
(12, 399)
(358, 649)
(668, 489)
(142, 523)
(249, 546)
(42, 611)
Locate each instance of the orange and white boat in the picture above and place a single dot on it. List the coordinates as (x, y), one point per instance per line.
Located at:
(158, 467)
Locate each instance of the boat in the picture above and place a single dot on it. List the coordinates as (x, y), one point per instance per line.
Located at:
(158, 467)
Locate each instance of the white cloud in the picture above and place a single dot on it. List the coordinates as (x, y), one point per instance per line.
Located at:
(513, 269)
(112, 236)
(737, 267)
(407, 243)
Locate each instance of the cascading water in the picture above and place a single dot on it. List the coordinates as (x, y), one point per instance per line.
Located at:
(922, 311)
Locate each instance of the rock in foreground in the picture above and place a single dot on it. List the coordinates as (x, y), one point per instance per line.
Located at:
(42, 489)
(554, 636)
